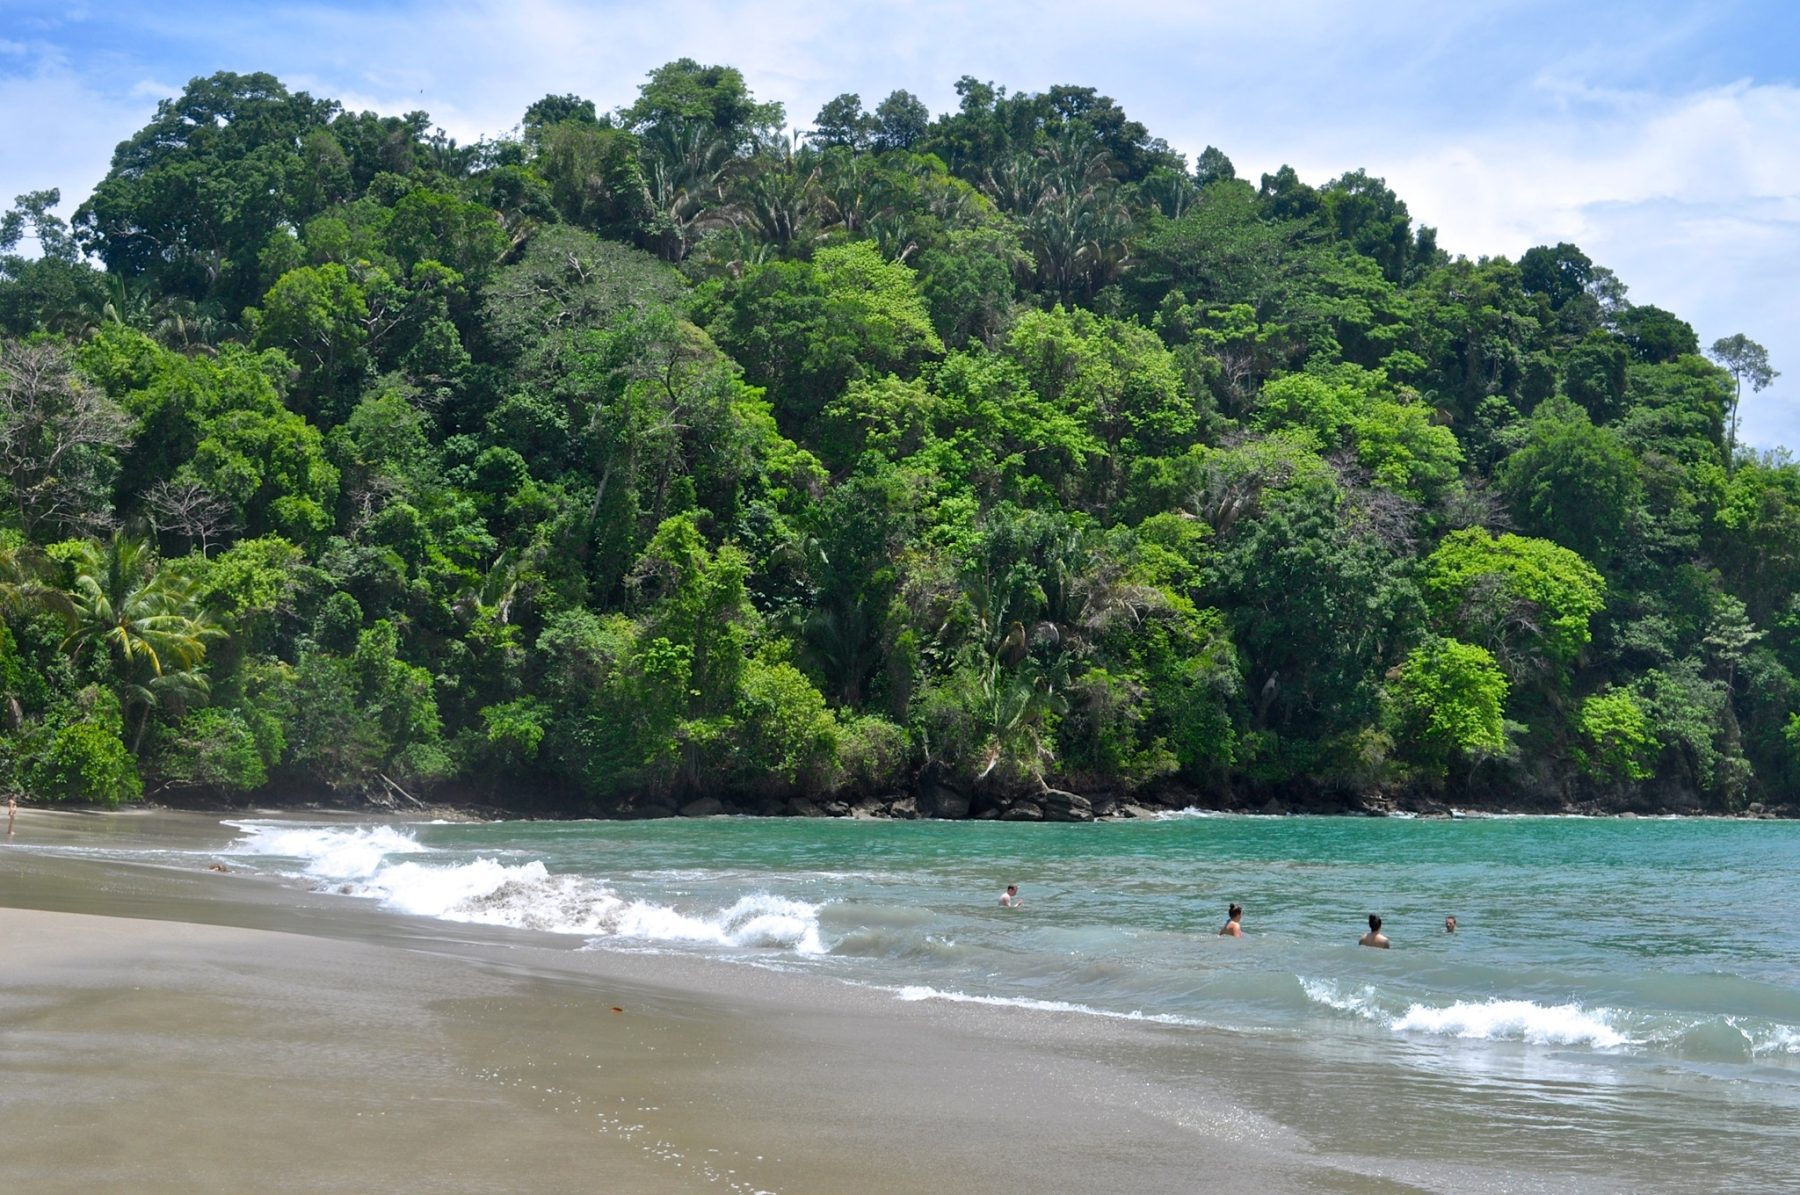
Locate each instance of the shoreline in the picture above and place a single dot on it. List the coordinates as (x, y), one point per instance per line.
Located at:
(456, 803)
(461, 810)
(176, 1029)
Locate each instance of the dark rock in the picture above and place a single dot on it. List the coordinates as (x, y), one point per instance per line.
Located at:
(652, 809)
(704, 807)
(837, 808)
(1023, 811)
(943, 800)
(801, 807)
(1060, 806)
(939, 793)
(903, 807)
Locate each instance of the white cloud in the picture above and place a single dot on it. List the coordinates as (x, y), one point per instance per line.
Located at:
(60, 133)
(1693, 200)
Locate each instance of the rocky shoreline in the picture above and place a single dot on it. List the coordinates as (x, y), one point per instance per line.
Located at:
(937, 800)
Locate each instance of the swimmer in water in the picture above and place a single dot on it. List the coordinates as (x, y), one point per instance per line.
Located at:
(1234, 923)
(1010, 898)
(1450, 925)
(1374, 937)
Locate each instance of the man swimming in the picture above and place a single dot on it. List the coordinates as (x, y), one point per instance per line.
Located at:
(1374, 937)
(1233, 927)
(1450, 924)
(1010, 898)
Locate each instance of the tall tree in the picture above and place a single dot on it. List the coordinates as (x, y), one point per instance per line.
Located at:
(193, 197)
(1746, 361)
(683, 90)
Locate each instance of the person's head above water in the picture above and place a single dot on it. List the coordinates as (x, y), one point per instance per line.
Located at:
(1374, 923)
(1012, 889)
(1450, 924)
(1234, 912)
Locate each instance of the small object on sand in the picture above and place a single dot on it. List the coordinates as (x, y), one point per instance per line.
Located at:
(616, 1008)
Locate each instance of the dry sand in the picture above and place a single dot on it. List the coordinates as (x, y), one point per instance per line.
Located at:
(165, 1030)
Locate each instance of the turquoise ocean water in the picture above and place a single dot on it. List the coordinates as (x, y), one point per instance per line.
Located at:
(1624, 994)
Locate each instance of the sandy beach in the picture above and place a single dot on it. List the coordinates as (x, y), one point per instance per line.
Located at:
(165, 1029)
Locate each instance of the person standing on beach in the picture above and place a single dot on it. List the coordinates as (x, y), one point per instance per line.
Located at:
(1374, 937)
(1234, 922)
(12, 811)
(1010, 898)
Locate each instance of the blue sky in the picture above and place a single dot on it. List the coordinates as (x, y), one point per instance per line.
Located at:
(1659, 137)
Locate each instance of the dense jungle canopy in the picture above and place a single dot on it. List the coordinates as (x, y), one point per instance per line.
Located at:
(640, 455)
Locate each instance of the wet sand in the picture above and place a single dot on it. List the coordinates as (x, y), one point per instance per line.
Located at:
(169, 1029)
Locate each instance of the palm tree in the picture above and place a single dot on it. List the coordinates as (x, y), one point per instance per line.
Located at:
(777, 193)
(1078, 238)
(686, 164)
(22, 585)
(850, 188)
(146, 618)
(1019, 184)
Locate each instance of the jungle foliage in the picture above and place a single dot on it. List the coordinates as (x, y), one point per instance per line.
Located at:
(640, 455)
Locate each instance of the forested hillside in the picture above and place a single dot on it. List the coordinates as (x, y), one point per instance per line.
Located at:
(641, 456)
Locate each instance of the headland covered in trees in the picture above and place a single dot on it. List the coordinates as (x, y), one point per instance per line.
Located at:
(997, 463)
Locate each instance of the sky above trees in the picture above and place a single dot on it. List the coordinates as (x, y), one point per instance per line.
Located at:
(1657, 136)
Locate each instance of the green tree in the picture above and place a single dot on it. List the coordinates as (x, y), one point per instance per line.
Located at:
(1655, 336)
(1527, 601)
(1572, 482)
(78, 755)
(193, 196)
(213, 748)
(145, 617)
(1617, 740)
(804, 330)
(1560, 273)
(683, 90)
(901, 120)
(842, 122)
(1114, 378)
(1449, 698)
(595, 176)
(367, 721)
(1745, 361)
(784, 731)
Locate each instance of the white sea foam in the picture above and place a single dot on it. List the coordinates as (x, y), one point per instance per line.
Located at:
(1486, 1020)
(392, 867)
(916, 992)
(755, 920)
(1556, 1024)
(1360, 1001)
(1783, 1039)
(327, 852)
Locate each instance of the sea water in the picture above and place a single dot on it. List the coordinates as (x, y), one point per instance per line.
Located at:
(1615, 987)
